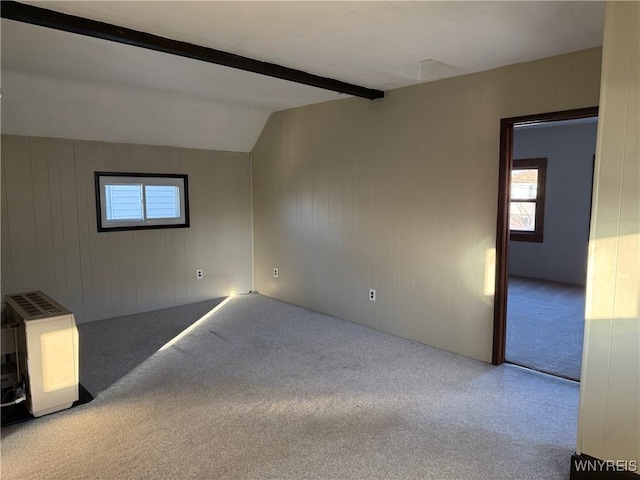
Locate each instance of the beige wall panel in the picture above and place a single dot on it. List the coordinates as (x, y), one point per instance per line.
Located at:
(98, 275)
(543, 86)
(215, 210)
(623, 409)
(500, 94)
(164, 274)
(195, 244)
(57, 226)
(163, 243)
(115, 276)
(179, 255)
(161, 159)
(121, 262)
(342, 195)
(143, 241)
(235, 237)
(99, 157)
(404, 271)
(175, 160)
(7, 270)
(345, 151)
(69, 205)
(83, 227)
(178, 251)
(21, 214)
(591, 433)
(565, 87)
(120, 157)
(221, 225)
(43, 222)
(610, 387)
(126, 266)
(399, 195)
(146, 294)
(585, 65)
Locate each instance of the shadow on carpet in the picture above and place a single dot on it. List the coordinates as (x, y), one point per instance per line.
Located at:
(20, 413)
(110, 349)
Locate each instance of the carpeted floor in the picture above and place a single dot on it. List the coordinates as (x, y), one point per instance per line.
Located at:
(109, 349)
(264, 389)
(545, 326)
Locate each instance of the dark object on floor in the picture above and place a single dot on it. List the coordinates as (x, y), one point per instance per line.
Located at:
(20, 413)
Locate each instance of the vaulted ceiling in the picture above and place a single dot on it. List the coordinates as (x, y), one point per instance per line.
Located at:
(66, 85)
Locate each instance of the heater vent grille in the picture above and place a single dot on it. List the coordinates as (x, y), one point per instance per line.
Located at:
(35, 305)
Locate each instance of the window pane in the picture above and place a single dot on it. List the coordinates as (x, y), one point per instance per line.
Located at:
(162, 201)
(124, 202)
(524, 184)
(522, 216)
(129, 201)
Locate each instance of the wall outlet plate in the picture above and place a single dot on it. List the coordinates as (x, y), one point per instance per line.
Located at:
(372, 295)
(275, 272)
(199, 274)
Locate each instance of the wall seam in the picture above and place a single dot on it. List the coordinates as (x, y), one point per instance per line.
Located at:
(35, 220)
(253, 262)
(8, 232)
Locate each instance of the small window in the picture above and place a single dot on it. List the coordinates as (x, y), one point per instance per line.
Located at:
(131, 201)
(526, 212)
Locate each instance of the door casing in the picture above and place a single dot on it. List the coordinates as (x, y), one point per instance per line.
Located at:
(502, 232)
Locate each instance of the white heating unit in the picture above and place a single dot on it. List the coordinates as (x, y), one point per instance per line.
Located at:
(47, 351)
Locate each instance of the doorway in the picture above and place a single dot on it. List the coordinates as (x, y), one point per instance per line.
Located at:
(554, 284)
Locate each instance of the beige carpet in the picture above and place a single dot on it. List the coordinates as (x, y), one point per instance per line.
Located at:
(264, 389)
(545, 326)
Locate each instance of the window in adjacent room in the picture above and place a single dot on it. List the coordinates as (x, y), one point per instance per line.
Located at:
(131, 201)
(526, 213)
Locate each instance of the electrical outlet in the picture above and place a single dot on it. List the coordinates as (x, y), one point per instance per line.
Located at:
(199, 274)
(275, 273)
(372, 295)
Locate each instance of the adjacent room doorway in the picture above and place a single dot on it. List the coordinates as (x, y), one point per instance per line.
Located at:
(545, 191)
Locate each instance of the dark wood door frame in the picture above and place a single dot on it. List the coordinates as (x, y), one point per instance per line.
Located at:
(502, 234)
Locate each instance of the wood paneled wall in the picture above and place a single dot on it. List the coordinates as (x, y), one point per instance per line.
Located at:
(50, 240)
(609, 418)
(400, 195)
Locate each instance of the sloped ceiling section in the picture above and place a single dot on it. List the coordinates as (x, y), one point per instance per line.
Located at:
(65, 85)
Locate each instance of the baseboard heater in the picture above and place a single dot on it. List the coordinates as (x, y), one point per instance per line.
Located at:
(39, 353)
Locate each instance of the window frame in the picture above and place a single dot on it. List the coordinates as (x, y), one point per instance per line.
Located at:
(179, 180)
(537, 235)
